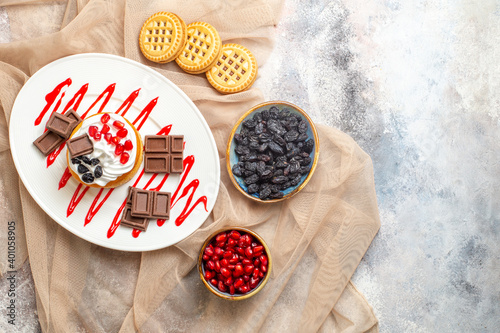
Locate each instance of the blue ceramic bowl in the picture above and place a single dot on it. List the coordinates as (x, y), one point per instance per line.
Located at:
(232, 158)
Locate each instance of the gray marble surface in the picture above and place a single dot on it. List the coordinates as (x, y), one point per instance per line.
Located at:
(416, 84)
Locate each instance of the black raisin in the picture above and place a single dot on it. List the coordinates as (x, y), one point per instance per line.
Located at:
(294, 167)
(88, 178)
(252, 179)
(86, 160)
(237, 171)
(75, 161)
(276, 148)
(306, 161)
(98, 172)
(302, 137)
(264, 193)
(242, 150)
(262, 148)
(259, 129)
(279, 140)
(308, 146)
(82, 168)
(302, 127)
(266, 174)
(264, 157)
(251, 166)
(94, 161)
(279, 179)
(265, 115)
(277, 195)
(249, 123)
(292, 136)
(252, 188)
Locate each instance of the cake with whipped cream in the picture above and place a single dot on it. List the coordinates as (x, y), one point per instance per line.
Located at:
(116, 154)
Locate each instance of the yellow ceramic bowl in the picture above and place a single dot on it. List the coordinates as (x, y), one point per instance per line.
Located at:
(232, 157)
(227, 295)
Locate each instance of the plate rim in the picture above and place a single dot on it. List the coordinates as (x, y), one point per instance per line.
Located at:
(90, 238)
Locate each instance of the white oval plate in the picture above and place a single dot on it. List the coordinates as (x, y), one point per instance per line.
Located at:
(96, 216)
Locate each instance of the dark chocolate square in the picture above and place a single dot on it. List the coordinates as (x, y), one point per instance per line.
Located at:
(61, 125)
(157, 144)
(81, 145)
(127, 220)
(142, 202)
(176, 163)
(48, 142)
(129, 195)
(161, 205)
(157, 163)
(71, 114)
(176, 143)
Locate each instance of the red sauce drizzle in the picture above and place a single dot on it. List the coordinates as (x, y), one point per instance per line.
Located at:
(52, 156)
(79, 94)
(50, 98)
(128, 102)
(64, 179)
(75, 200)
(92, 211)
(145, 113)
(108, 92)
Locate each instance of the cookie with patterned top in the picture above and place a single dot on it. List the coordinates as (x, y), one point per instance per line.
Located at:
(203, 47)
(234, 71)
(162, 37)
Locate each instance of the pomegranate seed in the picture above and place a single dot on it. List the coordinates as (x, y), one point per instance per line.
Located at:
(225, 272)
(222, 287)
(256, 262)
(246, 262)
(261, 275)
(234, 235)
(213, 282)
(219, 277)
(235, 259)
(105, 129)
(215, 257)
(124, 158)
(97, 136)
(230, 267)
(263, 259)
(118, 124)
(256, 272)
(238, 270)
(221, 237)
(254, 282)
(263, 268)
(228, 254)
(209, 251)
(105, 118)
(218, 251)
(114, 140)
(209, 275)
(128, 145)
(248, 269)
(244, 289)
(122, 133)
(249, 252)
(205, 257)
(238, 282)
(240, 251)
(211, 265)
(231, 290)
(119, 149)
(92, 130)
(231, 242)
(224, 263)
(108, 137)
(258, 248)
(229, 281)
(217, 266)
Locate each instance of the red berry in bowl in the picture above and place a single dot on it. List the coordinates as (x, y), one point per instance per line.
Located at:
(236, 260)
(105, 118)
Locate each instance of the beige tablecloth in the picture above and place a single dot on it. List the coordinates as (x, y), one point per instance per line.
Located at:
(317, 238)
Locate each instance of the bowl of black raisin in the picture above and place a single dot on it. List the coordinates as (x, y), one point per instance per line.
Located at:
(272, 151)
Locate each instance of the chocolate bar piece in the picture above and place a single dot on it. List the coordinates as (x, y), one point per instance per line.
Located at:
(129, 196)
(176, 143)
(141, 203)
(157, 144)
(60, 124)
(176, 164)
(71, 114)
(81, 145)
(161, 205)
(157, 163)
(127, 220)
(48, 142)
